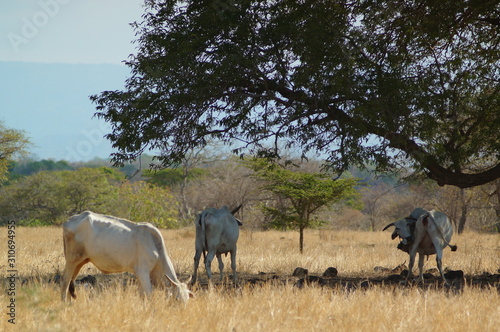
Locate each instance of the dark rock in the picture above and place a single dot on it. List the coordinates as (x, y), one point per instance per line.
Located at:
(395, 277)
(331, 272)
(404, 273)
(365, 284)
(300, 272)
(458, 274)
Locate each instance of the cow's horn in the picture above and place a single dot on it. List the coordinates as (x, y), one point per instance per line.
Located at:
(236, 209)
(391, 224)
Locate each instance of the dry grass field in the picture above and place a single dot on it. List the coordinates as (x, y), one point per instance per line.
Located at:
(275, 305)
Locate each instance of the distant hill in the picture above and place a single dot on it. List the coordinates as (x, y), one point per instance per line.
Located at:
(51, 103)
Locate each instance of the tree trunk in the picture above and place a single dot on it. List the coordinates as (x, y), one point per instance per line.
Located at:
(301, 239)
(184, 209)
(463, 217)
(497, 208)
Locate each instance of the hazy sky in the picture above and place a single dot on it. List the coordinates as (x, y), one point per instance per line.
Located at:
(54, 54)
(68, 31)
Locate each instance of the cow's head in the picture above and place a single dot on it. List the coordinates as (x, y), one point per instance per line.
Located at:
(181, 291)
(402, 230)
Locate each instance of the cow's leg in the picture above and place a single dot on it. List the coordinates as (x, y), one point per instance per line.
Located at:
(436, 241)
(66, 280)
(208, 264)
(233, 263)
(158, 277)
(145, 280)
(440, 268)
(421, 258)
(413, 253)
(197, 257)
(439, 256)
(71, 271)
(221, 266)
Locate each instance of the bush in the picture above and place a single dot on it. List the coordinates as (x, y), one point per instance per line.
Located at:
(143, 202)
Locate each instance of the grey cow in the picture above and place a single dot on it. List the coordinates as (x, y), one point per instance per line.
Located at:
(425, 232)
(216, 233)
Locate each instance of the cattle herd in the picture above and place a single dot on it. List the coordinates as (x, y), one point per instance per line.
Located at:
(116, 245)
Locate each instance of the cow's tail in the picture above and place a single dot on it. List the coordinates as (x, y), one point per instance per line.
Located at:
(201, 222)
(452, 246)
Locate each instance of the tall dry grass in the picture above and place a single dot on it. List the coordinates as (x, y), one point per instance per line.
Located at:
(275, 307)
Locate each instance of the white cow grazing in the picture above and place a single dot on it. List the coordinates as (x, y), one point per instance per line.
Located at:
(216, 233)
(117, 245)
(432, 233)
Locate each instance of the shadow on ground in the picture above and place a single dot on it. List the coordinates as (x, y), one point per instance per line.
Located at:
(300, 278)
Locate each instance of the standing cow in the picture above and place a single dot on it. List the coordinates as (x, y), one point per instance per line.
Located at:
(425, 232)
(216, 234)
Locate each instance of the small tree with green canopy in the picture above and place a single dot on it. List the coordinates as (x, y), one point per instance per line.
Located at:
(12, 143)
(306, 193)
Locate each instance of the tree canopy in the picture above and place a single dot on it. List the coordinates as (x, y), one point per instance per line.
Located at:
(12, 142)
(53, 196)
(305, 192)
(411, 84)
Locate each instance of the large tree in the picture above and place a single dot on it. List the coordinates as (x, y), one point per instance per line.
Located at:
(397, 83)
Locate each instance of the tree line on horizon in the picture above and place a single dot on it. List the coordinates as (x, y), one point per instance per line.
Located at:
(47, 192)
